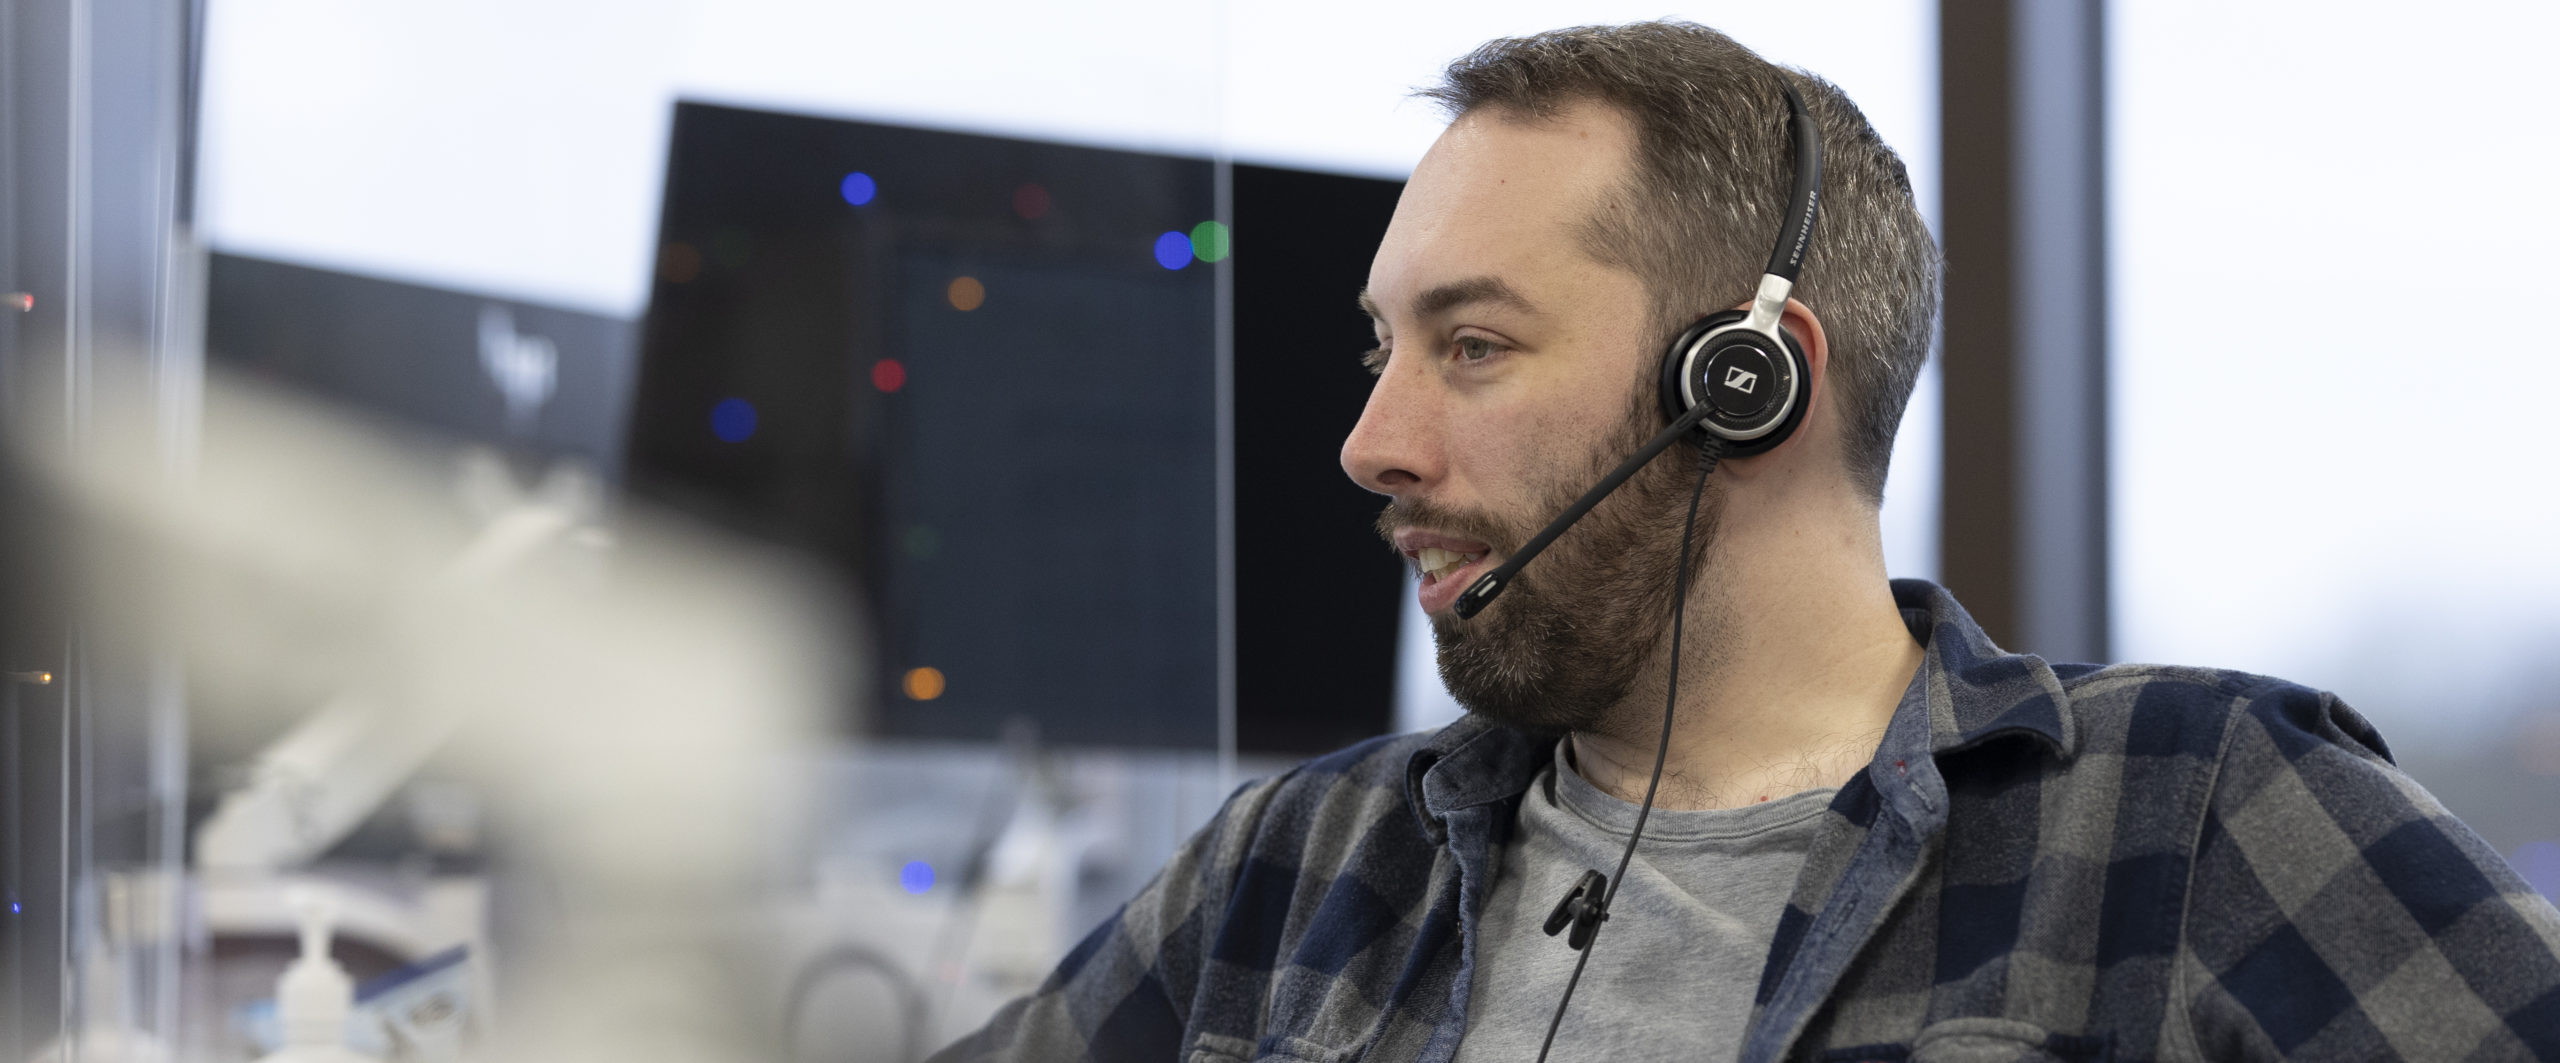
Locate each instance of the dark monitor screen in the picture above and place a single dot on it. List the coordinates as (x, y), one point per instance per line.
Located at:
(971, 371)
(1052, 481)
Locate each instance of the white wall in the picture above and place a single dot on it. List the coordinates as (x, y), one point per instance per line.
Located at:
(2334, 377)
(519, 145)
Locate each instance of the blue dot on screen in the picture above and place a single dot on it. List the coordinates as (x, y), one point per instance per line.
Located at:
(733, 420)
(1173, 250)
(916, 877)
(858, 188)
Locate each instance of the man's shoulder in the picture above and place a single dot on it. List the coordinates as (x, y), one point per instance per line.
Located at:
(1977, 691)
(2201, 712)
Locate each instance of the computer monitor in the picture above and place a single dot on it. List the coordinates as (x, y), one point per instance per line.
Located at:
(981, 375)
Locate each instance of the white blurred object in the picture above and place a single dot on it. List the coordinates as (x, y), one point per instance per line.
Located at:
(318, 783)
(621, 720)
(1026, 905)
(1022, 906)
(109, 1036)
(422, 1012)
(525, 367)
(315, 996)
(322, 779)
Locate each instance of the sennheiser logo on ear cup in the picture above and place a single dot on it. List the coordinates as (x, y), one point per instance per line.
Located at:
(1733, 375)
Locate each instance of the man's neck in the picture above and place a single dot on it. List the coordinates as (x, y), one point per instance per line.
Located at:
(1793, 660)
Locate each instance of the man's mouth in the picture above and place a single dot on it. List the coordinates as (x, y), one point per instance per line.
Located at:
(1436, 564)
(1445, 562)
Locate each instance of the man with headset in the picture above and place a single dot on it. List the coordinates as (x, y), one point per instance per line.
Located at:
(1843, 824)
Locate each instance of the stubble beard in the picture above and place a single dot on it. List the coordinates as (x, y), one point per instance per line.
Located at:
(1578, 626)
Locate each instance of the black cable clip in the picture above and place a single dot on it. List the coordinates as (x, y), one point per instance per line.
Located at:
(1585, 908)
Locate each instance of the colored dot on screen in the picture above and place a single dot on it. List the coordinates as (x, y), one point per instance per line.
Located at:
(916, 877)
(733, 420)
(888, 375)
(1173, 250)
(923, 684)
(922, 542)
(732, 247)
(966, 293)
(1030, 201)
(679, 263)
(1211, 241)
(858, 188)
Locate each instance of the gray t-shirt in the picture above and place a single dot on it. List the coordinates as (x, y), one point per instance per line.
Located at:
(1674, 969)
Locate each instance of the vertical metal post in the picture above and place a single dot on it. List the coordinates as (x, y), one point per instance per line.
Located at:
(2024, 520)
(94, 99)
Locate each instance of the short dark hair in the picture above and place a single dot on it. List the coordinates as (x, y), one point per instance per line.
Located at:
(1713, 162)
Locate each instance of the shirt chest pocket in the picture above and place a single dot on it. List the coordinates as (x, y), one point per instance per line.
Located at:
(1213, 1048)
(1981, 1040)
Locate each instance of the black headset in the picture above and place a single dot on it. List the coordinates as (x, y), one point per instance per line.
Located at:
(1748, 372)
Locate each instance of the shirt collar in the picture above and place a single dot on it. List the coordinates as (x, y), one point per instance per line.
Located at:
(1973, 690)
(1967, 692)
(1470, 762)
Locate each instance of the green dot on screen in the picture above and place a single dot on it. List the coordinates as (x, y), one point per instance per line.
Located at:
(1211, 241)
(922, 542)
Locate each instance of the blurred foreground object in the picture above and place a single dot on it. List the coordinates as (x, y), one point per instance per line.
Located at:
(618, 698)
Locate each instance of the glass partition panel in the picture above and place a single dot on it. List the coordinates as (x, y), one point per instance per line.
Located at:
(2328, 426)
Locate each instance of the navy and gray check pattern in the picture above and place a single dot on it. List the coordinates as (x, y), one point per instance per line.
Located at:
(2042, 862)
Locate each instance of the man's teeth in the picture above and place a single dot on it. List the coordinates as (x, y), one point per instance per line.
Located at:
(1438, 563)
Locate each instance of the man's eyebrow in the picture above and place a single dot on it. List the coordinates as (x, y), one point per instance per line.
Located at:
(1455, 294)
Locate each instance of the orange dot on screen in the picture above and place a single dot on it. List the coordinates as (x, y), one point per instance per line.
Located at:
(923, 684)
(966, 293)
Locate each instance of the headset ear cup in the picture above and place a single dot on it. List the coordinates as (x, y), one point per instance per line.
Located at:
(1796, 406)
(1680, 360)
(1676, 359)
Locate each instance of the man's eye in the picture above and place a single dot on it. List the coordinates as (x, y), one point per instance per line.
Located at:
(1374, 359)
(1476, 348)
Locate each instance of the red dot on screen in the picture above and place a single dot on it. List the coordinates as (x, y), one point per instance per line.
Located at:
(888, 375)
(1030, 201)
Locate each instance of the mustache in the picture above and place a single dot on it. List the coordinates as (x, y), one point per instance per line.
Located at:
(1449, 520)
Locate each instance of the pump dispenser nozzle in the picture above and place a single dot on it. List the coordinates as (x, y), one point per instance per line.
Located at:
(315, 996)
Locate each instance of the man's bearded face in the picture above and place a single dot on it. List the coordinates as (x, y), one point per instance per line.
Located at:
(1566, 641)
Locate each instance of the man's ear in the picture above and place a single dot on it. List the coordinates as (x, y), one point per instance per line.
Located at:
(1800, 323)
(1805, 328)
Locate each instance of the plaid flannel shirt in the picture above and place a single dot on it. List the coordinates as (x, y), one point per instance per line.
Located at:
(2041, 862)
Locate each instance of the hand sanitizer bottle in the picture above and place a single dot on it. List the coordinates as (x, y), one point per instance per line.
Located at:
(315, 995)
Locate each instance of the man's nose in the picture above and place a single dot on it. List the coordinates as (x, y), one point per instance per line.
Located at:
(1395, 449)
